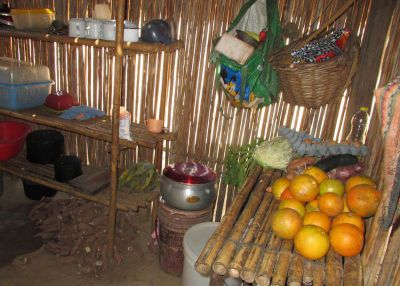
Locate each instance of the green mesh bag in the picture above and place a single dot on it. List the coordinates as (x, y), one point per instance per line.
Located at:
(255, 83)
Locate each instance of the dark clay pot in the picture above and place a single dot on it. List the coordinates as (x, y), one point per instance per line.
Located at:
(44, 146)
(67, 167)
(36, 192)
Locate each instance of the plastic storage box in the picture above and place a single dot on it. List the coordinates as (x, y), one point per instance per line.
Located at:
(13, 71)
(21, 96)
(23, 85)
(35, 19)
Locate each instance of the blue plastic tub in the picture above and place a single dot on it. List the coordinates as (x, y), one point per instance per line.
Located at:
(22, 96)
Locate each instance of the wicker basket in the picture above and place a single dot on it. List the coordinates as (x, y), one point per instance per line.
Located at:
(315, 84)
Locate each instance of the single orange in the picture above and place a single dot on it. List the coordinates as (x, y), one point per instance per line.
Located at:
(363, 200)
(294, 205)
(358, 180)
(316, 173)
(286, 194)
(350, 218)
(312, 206)
(319, 219)
(331, 186)
(331, 204)
(312, 242)
(279, 186)
(346, 239)
(286, 223)
(304, 188)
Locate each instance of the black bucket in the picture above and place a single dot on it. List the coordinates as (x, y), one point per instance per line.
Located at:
(67, 168)
(44, 146)
(36, 192)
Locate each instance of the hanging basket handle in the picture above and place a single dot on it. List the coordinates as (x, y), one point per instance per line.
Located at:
(325, 25)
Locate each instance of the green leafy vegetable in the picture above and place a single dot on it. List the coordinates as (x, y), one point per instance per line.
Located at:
(238, 163)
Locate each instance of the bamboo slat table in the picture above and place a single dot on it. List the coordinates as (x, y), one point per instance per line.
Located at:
(244, 246)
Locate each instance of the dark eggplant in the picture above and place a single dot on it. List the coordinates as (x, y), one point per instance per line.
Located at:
(336, 161)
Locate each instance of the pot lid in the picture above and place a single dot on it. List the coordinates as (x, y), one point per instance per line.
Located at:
(190, 173)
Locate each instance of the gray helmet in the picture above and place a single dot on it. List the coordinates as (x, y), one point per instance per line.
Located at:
(157, 31)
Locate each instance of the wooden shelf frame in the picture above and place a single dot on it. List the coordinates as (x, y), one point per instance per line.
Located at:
(43, 174)
(137, 47)
(108, 129)
(99, 128)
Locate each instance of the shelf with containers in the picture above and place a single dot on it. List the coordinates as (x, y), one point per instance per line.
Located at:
(104, 129)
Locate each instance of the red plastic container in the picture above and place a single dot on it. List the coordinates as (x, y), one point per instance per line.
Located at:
(12, 138)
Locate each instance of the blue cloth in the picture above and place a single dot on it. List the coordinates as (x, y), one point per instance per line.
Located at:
(81, 112)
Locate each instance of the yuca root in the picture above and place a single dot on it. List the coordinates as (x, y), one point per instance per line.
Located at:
(76, 231)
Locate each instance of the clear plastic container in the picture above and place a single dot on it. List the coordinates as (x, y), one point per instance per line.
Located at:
(18, 72)
(34, 19)
(359, 126)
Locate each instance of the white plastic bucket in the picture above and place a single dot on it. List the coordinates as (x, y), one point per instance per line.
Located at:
(194, 241)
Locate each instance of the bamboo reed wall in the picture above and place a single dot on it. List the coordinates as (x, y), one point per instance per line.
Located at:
(205, 121)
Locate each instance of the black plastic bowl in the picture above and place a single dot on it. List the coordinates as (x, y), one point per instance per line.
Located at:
(67, 167)
(36, 192)
(44, 146)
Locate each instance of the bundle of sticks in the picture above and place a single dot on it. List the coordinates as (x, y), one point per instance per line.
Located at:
(75, 230)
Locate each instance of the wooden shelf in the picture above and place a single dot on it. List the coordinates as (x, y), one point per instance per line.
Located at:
(43, 174)
(137, 47)
(99, 128)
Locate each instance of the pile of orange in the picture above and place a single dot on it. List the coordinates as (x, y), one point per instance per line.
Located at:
(319, 212)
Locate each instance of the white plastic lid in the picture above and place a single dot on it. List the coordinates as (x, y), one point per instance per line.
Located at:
(196, 238)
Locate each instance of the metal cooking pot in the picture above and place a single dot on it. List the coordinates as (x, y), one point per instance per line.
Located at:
(188, 186)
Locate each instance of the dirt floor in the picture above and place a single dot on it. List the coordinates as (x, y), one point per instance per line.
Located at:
(23, 260)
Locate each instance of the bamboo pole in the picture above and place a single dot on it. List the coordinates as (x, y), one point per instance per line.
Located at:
(211, 249)
(352, 271)
(240, 257)
(221, 263)
(308, 272)
(248, 272)
(333, 268)
(295, 273)
(267, 265)
(115, 127)
(282, 266)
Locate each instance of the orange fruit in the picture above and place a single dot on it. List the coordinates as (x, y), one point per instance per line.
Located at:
(316, 173)
(350, 218)
(312, 242)
(304, 188)
(331, 204)
(358, 180)
(363, 200)
(286, 223)
(312, 206)
(286, 195)
(294, 205)
(319, 219)
(346, 239)
(279, 186)
(331, 186)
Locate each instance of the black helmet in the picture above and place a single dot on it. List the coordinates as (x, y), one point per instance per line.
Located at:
(157, 31)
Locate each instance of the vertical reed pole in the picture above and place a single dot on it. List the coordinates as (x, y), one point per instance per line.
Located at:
(115, 125)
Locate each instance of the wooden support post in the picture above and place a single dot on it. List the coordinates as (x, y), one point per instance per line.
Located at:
(370, 56)
(115, 126)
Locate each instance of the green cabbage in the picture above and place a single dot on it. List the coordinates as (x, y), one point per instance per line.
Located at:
(275, 154)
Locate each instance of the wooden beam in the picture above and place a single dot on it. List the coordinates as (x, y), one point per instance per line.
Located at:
(120, 17)
(380, 14)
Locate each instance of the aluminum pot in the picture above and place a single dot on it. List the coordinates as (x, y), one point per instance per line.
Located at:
(188, 186)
